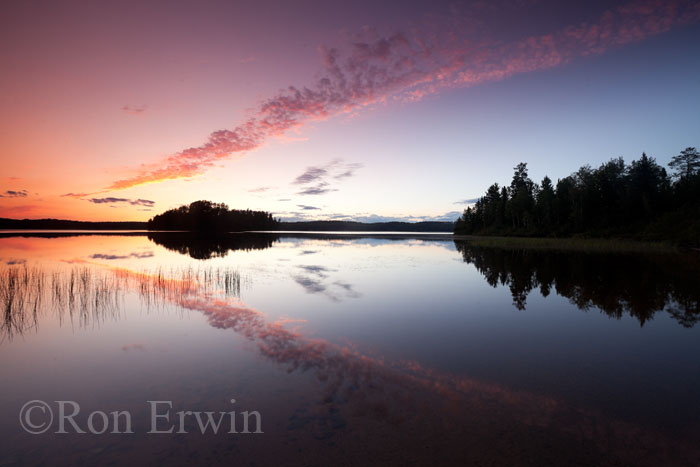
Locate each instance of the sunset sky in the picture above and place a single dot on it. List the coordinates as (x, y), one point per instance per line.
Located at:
(358, 109)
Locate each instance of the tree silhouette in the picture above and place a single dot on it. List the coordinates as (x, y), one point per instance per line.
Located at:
(205, 216)
(686, 164)
(638, 200)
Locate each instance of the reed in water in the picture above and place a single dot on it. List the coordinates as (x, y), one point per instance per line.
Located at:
(89, 295)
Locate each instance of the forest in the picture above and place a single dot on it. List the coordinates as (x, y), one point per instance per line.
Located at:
(640, 200)
(206, 216)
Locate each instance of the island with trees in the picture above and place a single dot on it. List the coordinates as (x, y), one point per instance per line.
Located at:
(639, 201)
(206, 216)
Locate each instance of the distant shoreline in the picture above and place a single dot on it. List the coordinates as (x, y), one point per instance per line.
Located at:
(335, 235)
(310, 226)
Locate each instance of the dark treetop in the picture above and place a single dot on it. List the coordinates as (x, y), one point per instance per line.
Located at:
(205, 216)
(637, 200)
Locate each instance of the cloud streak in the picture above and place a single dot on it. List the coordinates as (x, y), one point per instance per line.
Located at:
(14, 194)
(301, 216)
(320, 189)
(318, 178)
(406, 66)
(311, 175)
(467, 201)
(134, 109)
(112, 200)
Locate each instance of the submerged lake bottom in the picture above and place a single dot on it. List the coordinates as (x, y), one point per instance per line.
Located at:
(334, 349)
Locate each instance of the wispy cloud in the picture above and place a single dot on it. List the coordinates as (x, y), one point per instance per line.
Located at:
(320, 189)
(467, 201)
(447, 217)
(134, 109)
(349, 171)
(297, 216)
(311, 175)
(261, 189)
(308, 208)
(406, 66)
(370, 218)
(14, 194)
(133, 202)
(318, 178)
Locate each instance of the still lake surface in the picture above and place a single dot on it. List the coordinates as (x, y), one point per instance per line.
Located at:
(353, 350)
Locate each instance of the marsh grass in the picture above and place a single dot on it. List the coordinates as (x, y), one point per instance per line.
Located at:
(592, 245)
(163, 286)
(20, 307)
(87, 296)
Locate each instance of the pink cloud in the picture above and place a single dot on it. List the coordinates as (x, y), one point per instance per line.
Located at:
(134, 109)
(407, 67)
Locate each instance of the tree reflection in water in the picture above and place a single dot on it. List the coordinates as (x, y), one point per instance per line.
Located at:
(636, 284)
(200, 246)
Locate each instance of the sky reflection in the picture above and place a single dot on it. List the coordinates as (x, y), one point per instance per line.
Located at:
(395, 337)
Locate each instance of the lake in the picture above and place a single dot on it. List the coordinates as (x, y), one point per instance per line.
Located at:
(334, 349)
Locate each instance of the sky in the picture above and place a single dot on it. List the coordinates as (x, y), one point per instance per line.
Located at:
(360, 110)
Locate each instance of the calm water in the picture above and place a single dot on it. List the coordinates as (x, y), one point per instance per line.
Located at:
(352, 350)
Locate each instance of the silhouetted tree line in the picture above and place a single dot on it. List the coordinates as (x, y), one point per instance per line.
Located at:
(211, 246)
(639, 199)
(640, 285)
(61, 224)
(205, 216)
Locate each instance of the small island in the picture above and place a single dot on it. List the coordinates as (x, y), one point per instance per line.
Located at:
(206, 216)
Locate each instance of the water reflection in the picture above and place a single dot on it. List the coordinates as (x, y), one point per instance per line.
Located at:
(88, 296)
(133, 254)
(315, 279)
(400, 400)
(636, 284)
(211, 246)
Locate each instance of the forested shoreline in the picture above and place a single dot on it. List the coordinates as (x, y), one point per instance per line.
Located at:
(640, 200)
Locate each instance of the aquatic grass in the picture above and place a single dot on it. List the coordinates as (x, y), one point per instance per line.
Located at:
(20, 307)
(89, 295)
(161, 286)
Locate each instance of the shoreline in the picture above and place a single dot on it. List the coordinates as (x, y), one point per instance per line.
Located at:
(610, 245)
